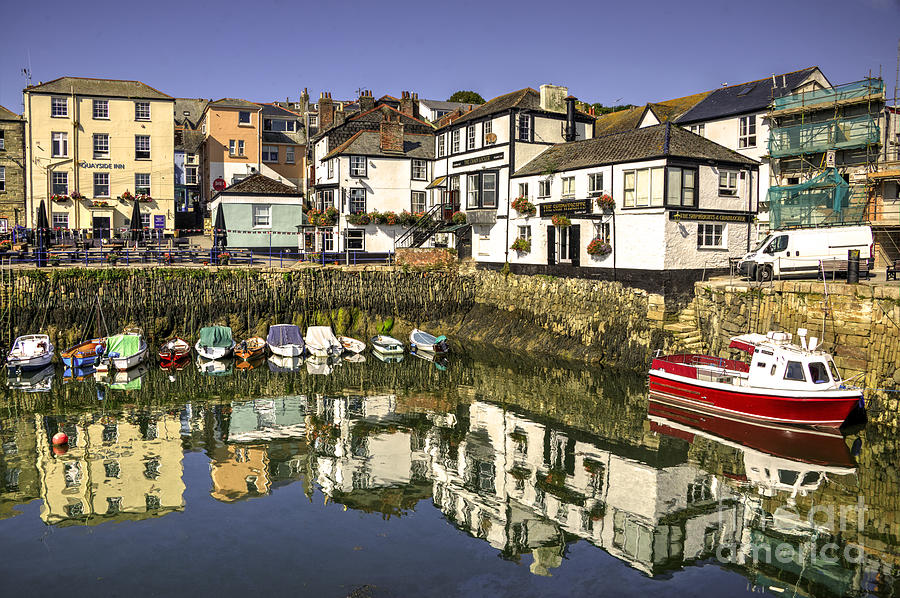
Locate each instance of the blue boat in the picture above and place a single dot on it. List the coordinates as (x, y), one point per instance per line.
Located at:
(81, 355)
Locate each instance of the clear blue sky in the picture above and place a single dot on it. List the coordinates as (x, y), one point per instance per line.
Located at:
(626, 52)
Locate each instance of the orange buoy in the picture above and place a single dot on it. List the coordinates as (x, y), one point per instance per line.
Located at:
(60, 438)
(61, 449)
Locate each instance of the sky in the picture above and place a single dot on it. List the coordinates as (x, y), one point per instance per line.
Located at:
(613, 53)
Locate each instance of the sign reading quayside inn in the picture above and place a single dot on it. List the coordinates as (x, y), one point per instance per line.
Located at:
(106, 165)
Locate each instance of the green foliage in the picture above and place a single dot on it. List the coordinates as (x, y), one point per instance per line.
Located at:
(469, 97)
(601, 109)
(386, 326)
(505, 270)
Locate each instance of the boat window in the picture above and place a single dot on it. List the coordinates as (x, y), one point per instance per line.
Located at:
(761, 364)
(794, 371)
(818, 373)
(834, 371)
(772, 371)
(787, 476)
(811, 477)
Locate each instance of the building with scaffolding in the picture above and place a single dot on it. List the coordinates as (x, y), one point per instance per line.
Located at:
(824, 149)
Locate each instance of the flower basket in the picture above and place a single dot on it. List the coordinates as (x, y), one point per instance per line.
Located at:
(521, 245)
(407, 218)
(5, 245)
(224, 257)
(524, 207)
(360, 219)
(99, 203)
(77, 196)
(386, 218)
(59, 198)
(606, 203)
(127, 196)
(561, 221)
(599, 247)
(167, 258)
(458, 218)
(143, 197)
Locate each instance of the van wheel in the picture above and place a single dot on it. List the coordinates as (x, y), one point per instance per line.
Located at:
(764, 274)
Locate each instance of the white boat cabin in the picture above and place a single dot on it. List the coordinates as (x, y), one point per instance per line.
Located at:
(779, 364)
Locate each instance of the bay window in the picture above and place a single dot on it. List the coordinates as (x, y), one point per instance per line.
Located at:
(482, 190)
(644, 187)
(682, 190)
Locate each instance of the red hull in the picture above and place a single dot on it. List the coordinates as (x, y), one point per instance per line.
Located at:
(761, 405)
(171, 357)
(819, 447)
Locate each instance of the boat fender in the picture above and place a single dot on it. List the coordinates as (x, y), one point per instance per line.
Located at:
(114, 354)
(439, 339)
(99, 350)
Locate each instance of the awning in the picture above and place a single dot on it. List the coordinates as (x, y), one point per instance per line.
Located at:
(438, 182)
(452, 228)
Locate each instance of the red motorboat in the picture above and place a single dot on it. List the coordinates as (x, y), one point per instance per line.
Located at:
(783, 382)
(174, 351)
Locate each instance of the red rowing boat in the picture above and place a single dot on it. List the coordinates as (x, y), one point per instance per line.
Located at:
(783, 383)
(173, 351)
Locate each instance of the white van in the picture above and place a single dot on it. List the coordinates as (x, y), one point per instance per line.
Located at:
(798, 252)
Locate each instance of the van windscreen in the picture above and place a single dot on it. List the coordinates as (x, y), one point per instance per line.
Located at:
(762, 243)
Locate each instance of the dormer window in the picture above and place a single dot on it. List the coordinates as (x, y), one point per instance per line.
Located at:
(278, 125)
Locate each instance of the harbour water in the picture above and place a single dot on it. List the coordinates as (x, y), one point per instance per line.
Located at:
(486, 475)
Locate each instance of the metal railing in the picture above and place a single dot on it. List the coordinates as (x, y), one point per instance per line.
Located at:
(423, 228)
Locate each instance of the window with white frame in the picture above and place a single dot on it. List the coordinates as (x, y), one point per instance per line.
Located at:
(101, 109)
(728, 182)
(486, 130)
(2, 179)
(524, 127)
(470, 137)
(101, 184)
(481, 189)
(454, 141)
(59, 182)
(441, 145)
(357, 200)
(262, 216)
(682, 189)
(101, 146)
(747, 134)
(356, 239)
(277, 124)
(595, 183)
(60, 220)
(417, 203)
(142, 184)
(240, 148)
(327, 240)
(568, 187)
(419, 170)
(602, 230)
(190, 175)
(698, 129)
(145, 221)
(710, 236)
(325, 199)
(525, 232)
(59, 146)
(330, 164)
(523, 189)
(357, 166)
(644, 187)
(543, 188)
(243, 117)
(2, 140)
(289, 154)
(313, 123)
(270, 153)
(141, 147)
(142, 111)
(59, 107)
(232, 147)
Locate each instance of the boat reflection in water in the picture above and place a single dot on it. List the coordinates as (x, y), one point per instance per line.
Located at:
(130, 379)
(78, 374)
(39, 380)
(322, 365)
(281, 363)
(215, 367)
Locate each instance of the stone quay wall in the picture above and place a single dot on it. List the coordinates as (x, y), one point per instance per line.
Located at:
(858, 324)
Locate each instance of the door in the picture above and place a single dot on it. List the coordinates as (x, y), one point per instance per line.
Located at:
(574, 245)
(451, 204)
(551, 245)
(102, 227)
(464, 243)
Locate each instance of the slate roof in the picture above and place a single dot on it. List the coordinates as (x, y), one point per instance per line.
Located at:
(527, 98)
(114, 88)
(8, 114)
(439, 105)
(630, 118)
(190, 141)
(234, 103)
(368, 143)
(647, 143)
(259, 184)
(194, 109)
(752, 96)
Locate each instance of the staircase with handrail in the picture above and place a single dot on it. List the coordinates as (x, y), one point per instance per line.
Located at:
(423, 229)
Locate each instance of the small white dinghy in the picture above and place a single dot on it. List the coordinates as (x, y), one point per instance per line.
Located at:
(215, 342)
(422, 341)
(387, 345)
(351, 345)
(321, 341)
(285, 340)
(30, 352)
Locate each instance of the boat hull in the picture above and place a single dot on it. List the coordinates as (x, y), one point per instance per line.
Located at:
(30, 363)
(126, 363)
(387, 345)
(824, 409)
(213, 353)
(287, 350)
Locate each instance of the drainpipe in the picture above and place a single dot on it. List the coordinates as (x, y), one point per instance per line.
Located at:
(30, 164)
(75, 153)
(510, 168)
(615, 271)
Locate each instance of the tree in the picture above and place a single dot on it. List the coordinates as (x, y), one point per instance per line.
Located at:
(468, 97)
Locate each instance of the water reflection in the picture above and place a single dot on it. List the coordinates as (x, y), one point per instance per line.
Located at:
(527, 458)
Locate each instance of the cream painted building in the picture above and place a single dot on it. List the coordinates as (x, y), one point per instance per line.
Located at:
(89, 141)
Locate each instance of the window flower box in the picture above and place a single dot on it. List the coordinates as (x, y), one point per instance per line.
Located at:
(521, 245)
(524, 207)
(127, 196)
(320, 218)
(561, 221)
(143, 197)
(99, 203)
(599, 247)
(77, 196)
(59, 198)
(606, 203)
(360, 219)
(458, 218)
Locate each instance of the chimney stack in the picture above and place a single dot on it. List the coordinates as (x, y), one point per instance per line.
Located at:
(409, 105)
(391, 135)
(571, 132)
(326, 110)
(553, 98)
(366, 101)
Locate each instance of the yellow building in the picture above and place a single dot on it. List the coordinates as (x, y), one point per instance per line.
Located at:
(89, 141)
(115, 468)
